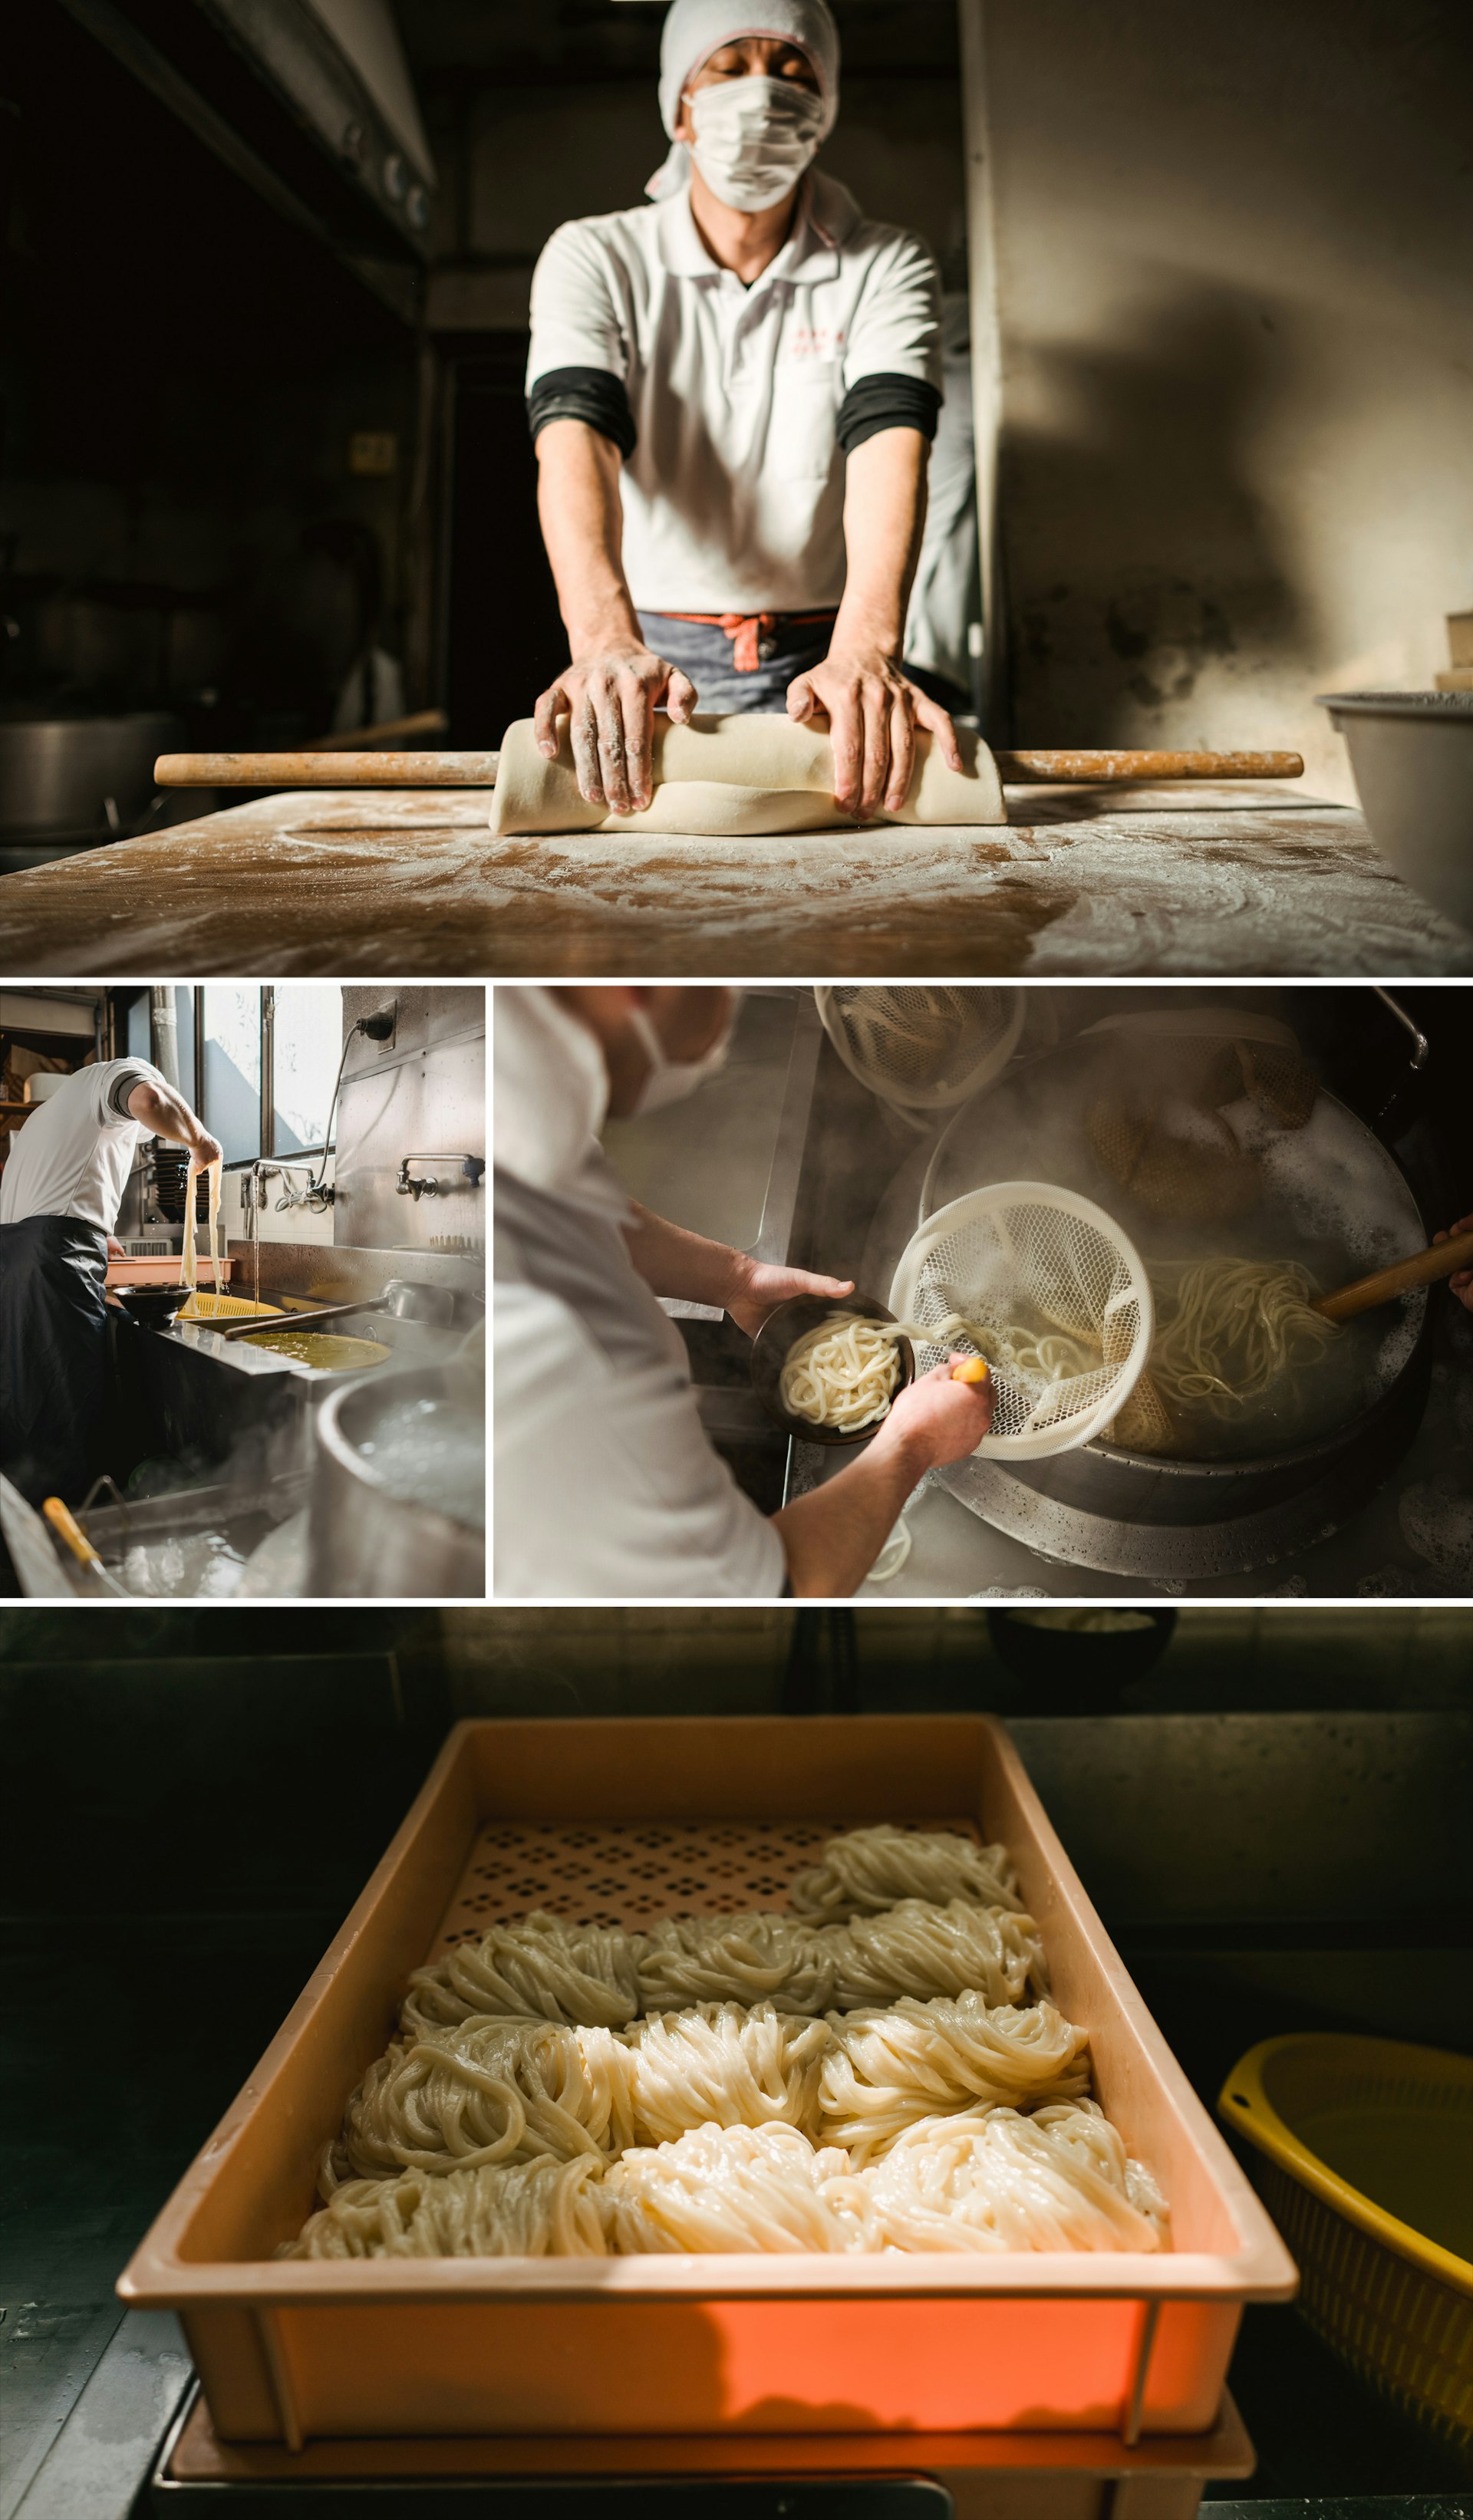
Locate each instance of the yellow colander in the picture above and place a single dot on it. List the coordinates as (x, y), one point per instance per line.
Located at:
(1367, 2170)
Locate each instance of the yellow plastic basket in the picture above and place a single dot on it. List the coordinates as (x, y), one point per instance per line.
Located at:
(1367, 2170)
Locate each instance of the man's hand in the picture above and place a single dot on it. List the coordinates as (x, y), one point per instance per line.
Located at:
(873, 714)
(115, 1250)
(1460, 1283)
(610, 699)
(760, 1288)
(203, 1150)
(940, 1420)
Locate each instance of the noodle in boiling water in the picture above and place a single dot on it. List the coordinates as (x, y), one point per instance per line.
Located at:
(1235, 1326)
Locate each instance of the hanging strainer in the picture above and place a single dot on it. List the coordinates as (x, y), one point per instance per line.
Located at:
(1051, 1292)
(922, 1049)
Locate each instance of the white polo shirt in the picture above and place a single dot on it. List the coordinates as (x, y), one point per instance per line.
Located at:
(605, 1482)
(74, 1156)
(733, 491)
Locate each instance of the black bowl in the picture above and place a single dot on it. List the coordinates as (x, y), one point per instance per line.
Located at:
(779, 1336)
(154, 1305)
(1080, 1671)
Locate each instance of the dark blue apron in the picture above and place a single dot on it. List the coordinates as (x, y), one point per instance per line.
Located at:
(53, 1353)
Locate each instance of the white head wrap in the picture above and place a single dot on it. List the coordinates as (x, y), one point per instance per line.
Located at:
(694, 30)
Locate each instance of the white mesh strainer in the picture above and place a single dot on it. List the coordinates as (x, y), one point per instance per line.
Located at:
(1059, 1295)
(922, 1049)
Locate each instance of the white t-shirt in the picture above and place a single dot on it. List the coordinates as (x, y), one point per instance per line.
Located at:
(734, 493)
(74, 1156)
(605, 1482)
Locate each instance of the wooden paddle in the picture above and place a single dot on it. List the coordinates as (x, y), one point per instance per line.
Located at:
(1383, 1285)
(320, 768)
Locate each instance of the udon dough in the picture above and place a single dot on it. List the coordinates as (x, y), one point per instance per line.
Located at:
(536, 2209)
(729, 776)
(1060, 2178)
(719, 2065)
(543, 1967)
(489, 2090)
(869, 1869)
(728, 2188)
(886, 2068)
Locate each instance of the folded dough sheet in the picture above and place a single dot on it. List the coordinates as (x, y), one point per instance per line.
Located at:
(720, 777)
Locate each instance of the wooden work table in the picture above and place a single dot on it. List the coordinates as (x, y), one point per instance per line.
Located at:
(1081, 884)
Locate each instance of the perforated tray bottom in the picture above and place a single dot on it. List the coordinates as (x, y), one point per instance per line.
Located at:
(633, 1873)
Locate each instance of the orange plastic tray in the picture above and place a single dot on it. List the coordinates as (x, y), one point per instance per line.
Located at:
(619, 1820)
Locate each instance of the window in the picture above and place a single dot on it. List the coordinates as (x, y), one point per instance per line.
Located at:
(231, 1099)
(306, 1045)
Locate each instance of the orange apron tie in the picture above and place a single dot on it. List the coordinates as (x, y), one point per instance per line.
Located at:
(746, 629)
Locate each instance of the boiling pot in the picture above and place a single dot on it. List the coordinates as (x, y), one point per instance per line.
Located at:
(59, 772)
(1152, 1516)
(367, 1538)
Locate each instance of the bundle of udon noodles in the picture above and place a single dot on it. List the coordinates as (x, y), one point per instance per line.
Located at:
(880, 2067)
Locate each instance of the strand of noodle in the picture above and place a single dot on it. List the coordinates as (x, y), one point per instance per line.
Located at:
(915, 1948)
(718, 2065)
(886, 2068)
(866, 1870)
(841, 1375)
(1059, 2179)
(728, 2188)
(538, 2209)
(541, 1967)
(924, 1951)
(1234, 1328)
(740, 1960)
(487, 2091)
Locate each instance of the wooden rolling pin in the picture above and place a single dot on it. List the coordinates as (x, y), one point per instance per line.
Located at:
(1108, 769)
(321, 769)
(325, 770)
(1423, 1269)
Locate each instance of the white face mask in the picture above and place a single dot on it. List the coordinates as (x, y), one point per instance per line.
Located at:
(754, 137)
(669, 1079)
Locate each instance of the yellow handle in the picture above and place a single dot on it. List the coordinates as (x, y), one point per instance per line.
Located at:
(973, 1369)
(62, 1518)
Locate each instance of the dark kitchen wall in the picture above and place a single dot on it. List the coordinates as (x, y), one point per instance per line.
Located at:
(1232, 252)
(180, 374)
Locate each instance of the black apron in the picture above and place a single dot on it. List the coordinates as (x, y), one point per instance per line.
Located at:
(53, 1353)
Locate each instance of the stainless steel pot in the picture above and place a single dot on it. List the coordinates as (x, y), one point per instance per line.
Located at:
(1411, 753)
(58, 773)
(1146, 1516)
(366, 1539)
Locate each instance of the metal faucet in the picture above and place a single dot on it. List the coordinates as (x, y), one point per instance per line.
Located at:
(317, 1196)
(417, 1187)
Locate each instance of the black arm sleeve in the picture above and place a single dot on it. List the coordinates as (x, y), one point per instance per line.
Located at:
(880, 402)
(589, 395)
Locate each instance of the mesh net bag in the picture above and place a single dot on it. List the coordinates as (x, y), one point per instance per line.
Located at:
(1158, 1127)
(1045, 1286)
(922, 1049)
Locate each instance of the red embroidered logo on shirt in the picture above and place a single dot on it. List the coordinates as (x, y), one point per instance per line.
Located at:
(815, 341)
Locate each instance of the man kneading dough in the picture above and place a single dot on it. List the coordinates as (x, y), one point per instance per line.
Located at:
(732, 392)
(607, 1484)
